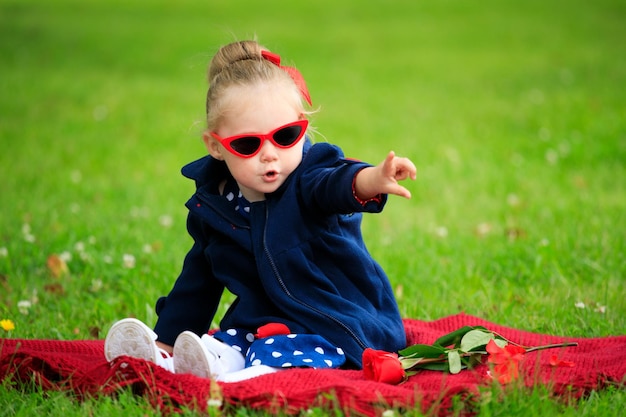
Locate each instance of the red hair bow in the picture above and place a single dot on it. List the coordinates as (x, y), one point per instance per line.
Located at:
(293, 73)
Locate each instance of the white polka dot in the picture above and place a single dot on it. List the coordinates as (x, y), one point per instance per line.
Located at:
(319, 350)
(230, 196)
(237, 207)
(286, 365)
(250, 337)
(328, 362)
(269, 341)
(297, 353)
(340, 351)
(252, 356)
(307, 360)
(237, 348)
(246, 209)
(292, 336)
(231, 332)
(240, 194)
(256, 362)
(276, 354)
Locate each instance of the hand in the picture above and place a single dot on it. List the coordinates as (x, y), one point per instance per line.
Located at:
(384, 177)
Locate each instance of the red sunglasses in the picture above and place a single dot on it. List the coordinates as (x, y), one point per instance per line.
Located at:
(248, 145)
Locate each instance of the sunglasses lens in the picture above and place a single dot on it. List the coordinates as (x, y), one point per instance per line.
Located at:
(247, 145)
(287, 135)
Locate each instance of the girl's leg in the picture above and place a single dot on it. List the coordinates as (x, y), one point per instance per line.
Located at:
(247, 373)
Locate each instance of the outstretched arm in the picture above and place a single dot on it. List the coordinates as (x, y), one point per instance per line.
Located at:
(383, 178)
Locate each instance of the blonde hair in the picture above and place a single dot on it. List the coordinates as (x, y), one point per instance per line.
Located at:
(241, 64)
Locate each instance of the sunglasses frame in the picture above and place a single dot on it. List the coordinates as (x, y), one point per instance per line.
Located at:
(227, 142)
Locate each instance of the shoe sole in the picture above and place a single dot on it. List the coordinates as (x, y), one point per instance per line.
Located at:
(130, 337)
(191, 356)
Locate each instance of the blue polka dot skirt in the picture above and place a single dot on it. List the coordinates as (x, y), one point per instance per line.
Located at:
(284, 351)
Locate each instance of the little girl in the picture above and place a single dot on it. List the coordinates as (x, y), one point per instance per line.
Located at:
(276, 221)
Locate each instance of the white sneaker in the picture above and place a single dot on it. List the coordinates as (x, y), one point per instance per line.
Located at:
(130, 337)
(191, 356)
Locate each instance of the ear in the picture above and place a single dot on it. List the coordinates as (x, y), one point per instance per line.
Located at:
(212, 146)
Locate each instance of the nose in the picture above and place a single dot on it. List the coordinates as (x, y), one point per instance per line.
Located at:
(268, 152)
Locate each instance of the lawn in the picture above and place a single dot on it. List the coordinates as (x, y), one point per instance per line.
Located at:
(513, 112)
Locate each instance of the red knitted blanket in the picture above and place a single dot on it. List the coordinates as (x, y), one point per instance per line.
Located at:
(80, 367)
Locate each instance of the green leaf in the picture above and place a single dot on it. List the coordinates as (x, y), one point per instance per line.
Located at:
(408, 363)
(422, 351)
(501, 342)
(454, 361)
(474, 339)
(454, 337)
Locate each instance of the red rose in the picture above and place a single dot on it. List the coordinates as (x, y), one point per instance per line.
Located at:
(506, 361)
(382, 366)
(271, 329)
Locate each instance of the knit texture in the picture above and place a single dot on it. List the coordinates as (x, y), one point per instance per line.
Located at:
(81, 368)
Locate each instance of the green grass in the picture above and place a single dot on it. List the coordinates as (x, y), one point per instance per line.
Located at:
(514, 113)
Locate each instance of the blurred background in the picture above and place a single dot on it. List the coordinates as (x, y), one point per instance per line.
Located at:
(513, 112)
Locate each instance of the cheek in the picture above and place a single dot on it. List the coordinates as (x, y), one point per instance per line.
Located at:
(295, 155)
(238, 167)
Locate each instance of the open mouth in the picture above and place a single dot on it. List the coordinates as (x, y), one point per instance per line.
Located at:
(271, 174)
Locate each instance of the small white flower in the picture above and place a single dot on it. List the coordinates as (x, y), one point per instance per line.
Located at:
(79, 247)
(441, 231)
(65, 256)
(513, 200)
(166, 220)
(4, 252)
(552, 156)
(600, 309)
(107, 259)
(26, 233)
(580, 305)
(24, 306)
(128, 261)
(147, 248)
(84, 256)
(214, 402)
(96, 285)
(483, 229)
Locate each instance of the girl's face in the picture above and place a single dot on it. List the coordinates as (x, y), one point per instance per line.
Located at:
(254, 110)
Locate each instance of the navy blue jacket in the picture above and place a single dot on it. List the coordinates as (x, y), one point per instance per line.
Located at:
(299, 260)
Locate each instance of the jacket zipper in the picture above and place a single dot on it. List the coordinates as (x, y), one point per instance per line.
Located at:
(283, 286)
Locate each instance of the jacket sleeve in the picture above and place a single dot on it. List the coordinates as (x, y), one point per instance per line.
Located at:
(193, 301)
(327, 182)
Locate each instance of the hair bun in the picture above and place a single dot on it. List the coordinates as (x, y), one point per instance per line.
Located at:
(232, 53)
